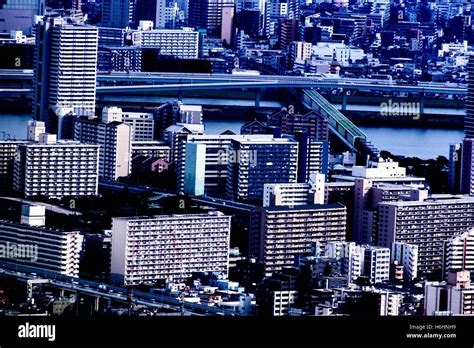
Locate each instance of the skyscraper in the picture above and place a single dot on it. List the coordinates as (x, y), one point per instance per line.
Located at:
(65, 71)
(207, 14)
(469, 119)
(117, 13)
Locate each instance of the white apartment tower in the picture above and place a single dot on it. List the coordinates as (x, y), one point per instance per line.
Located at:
(172, 247)
(115, 143)
(45, 248)
(65, 72)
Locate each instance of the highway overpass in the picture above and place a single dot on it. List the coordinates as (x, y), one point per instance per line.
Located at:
(114, 293)
(119, 82)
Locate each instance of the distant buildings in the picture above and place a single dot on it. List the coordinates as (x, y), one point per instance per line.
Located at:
(15, 15)
(180, 43)
(147, 249)
(56, 169)
(207, 14)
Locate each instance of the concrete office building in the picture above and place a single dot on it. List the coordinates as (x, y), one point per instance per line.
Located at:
(427, 223)
(459, 253)
(312, 192)
(207, 14)
(260, 161)
(286, 232)
(406, 255)
(453, 297)
(20, 14)
(8, 150)
(180, 43)
(65, 71)
(147, 249)
(117, 13)
(45, 248)
(114, 139)
(56, 169)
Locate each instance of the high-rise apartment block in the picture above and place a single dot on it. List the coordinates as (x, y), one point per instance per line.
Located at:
(260, 161)
(315, 125)
(180, 43)
(41, 247)
(65, 71)
(114, 139)
(56, 169)
(427, 223)
(207, 14)
(286, 232)
(147, 249)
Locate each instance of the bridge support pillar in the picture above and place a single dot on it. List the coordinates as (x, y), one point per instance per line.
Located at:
(258, 95)
(96, 304)
(344, 101)
(422, 103)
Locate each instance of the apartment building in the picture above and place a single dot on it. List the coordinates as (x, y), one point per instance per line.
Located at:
(56, 169)
(38, 246)
(260, 161)
(427, 223)
(286, 232)
(114, 139)
(312, 192)
(147, 249)
(180, 43)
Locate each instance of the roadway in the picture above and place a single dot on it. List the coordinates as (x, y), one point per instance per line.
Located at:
(184, 81)
(111, 292)
(50, 207)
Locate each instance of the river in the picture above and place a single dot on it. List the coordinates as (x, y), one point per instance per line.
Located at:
(417, 142)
